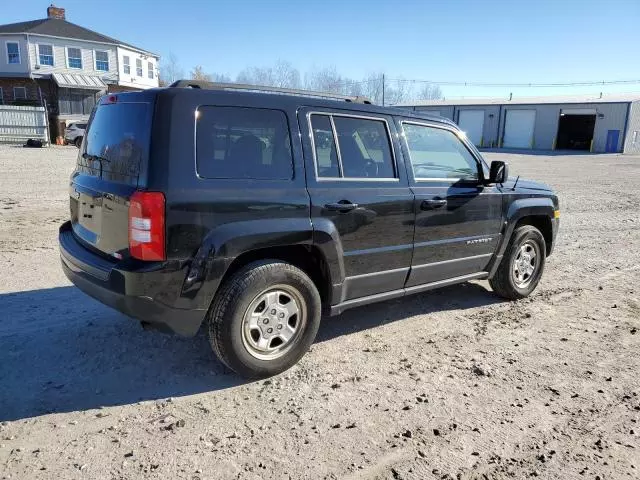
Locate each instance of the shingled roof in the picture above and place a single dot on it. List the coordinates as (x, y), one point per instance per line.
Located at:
(56, 27)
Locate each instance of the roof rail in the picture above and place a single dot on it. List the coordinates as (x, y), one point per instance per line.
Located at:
(202, 84)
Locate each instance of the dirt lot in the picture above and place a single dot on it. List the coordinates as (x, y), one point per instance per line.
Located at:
(450, 384)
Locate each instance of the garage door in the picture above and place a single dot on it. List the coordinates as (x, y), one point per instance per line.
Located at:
(518, 129)
(471, 122)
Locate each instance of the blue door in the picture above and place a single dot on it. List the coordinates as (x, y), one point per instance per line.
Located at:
(612, 141)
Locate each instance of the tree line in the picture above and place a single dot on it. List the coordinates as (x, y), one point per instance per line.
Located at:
(327, 79)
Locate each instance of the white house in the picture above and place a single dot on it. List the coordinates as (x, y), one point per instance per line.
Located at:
(67, 67)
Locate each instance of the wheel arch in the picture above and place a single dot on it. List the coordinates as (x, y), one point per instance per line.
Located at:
(534, 211)
(307, 258)
(543, 223)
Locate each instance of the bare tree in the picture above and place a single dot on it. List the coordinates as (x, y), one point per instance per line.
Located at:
(398, 91)
(220, 78)
(286, 75)
(198, 73)
(170, 70)
(256, 76)
(282, 74)
(372, 87)
(430, 91)
(325, 80)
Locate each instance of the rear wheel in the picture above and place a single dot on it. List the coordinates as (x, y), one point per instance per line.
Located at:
(78, 142)
(264, 318)
(522, 265)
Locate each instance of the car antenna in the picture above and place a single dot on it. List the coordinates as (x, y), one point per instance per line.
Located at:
(516, 183)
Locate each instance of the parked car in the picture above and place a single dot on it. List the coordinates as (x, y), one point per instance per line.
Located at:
(74, 133)
(254, 213)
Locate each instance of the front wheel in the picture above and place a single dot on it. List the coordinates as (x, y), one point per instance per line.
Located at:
(522, 265)
(78, 142)
(264, 318)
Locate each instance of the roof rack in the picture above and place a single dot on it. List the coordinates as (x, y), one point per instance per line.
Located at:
(204, 85)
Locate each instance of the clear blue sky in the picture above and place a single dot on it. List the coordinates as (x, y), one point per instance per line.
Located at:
(461, 40)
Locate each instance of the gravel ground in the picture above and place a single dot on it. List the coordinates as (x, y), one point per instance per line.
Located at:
(452, 384)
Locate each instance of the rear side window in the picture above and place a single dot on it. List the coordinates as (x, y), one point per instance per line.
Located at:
(325, 146)
(243, 143)
(116, 146)
(362, 150)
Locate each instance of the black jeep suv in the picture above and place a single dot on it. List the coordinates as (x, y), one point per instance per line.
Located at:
(256, 211)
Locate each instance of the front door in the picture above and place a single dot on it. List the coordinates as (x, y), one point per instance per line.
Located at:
(357, 189)
(458, 219)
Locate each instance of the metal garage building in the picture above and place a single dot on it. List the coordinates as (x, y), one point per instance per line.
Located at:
(592, 123)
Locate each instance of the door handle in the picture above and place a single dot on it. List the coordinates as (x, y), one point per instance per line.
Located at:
(433, 203)
(342, 206)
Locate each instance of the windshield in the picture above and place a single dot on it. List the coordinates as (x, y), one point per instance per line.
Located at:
(117, 142)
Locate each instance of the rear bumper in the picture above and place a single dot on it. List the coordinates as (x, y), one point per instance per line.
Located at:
(132, 289)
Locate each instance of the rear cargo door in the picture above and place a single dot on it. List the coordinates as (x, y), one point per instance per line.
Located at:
(112, 164)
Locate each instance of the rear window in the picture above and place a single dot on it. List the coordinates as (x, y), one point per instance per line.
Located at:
(245, 143)
(116, 146)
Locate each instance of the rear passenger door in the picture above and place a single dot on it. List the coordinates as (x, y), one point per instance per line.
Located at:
(359, 189)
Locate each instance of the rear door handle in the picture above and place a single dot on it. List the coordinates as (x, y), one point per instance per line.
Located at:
(433, 203)
(343, 206)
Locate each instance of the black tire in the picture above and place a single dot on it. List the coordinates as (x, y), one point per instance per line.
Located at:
(504, 282)
(226, 327)
(78, 142)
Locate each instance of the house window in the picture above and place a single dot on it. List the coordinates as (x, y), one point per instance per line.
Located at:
(150, 69)
(102, 61)
(13, 52)
(138, 67)
(74, 57)
(45, 54)
(126, 64)
(19, 93)
(75, 101)
(1, 96)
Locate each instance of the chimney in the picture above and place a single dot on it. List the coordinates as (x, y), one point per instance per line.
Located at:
(55, 12)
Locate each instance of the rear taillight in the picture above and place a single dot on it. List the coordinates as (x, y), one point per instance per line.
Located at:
(146, 226)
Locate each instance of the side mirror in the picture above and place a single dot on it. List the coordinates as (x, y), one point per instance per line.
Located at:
(498, 172)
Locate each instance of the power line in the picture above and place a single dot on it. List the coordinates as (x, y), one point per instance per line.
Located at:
(592, 83)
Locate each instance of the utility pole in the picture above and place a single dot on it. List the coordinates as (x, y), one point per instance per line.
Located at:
(383, 89)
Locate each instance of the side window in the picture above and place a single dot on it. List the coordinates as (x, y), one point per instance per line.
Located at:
(235, 142)
(365, 149)
(438, 153)
(325, 146)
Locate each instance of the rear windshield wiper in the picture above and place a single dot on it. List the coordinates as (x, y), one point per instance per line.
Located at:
(100, 159)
